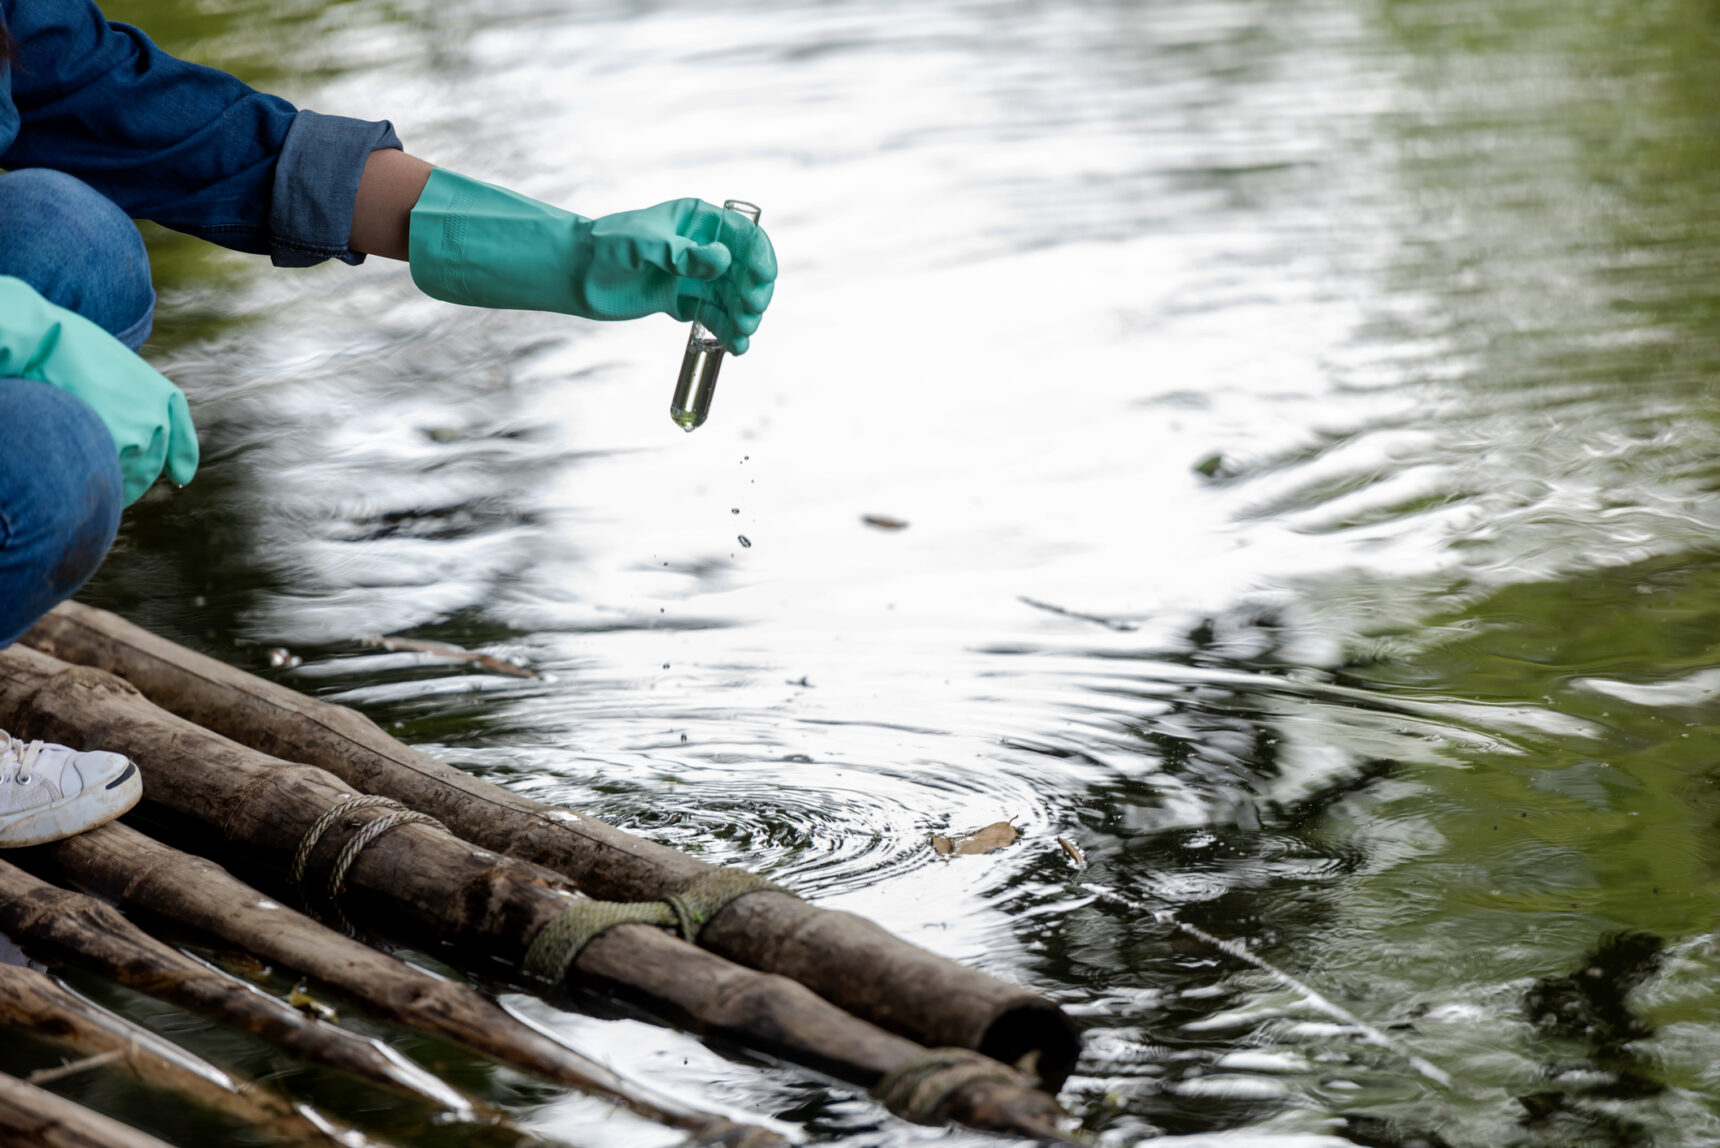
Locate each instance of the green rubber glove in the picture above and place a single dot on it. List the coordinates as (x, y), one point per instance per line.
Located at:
(485, 246)
(146, 414)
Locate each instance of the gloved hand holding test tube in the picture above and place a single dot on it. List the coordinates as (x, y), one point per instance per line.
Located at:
(691, 403)
(481, 245)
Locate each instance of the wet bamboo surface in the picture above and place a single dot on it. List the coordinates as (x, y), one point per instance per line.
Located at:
(56, 925)
(32, 1117)
(144, 876)
(845, 958)
(60, 1017)
(423, 880)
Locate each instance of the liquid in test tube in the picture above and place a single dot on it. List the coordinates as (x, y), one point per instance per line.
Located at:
(704, 356)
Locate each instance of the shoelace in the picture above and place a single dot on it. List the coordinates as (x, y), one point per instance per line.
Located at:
(10, 757)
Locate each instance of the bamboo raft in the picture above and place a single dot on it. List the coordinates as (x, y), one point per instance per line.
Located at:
(309, 802)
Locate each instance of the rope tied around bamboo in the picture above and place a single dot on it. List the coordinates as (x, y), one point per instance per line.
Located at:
(918, 1088)
(396, 816)
(686, 910)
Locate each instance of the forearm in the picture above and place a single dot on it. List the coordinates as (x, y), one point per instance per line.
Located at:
(480, 245)
(391, 184)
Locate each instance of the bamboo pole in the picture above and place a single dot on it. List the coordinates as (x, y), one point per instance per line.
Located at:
(489, 907)
(58, 1016)
(55, 925)
(845, 958)
(32, 1117)
(141, 874)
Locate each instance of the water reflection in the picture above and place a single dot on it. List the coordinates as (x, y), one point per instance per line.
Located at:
(1351, 360)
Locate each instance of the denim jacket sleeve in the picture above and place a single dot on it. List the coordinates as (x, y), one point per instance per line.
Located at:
(186, 146)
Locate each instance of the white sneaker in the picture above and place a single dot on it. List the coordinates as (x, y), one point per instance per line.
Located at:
(48, 791)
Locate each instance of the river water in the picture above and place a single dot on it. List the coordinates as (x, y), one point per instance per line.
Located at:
(1304, 421)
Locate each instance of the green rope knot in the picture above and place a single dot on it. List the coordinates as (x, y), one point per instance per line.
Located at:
(919, 1087)
(559, 943)
(696, 901)
(686, 910)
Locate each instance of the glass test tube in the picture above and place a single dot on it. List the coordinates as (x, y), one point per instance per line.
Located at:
(704, 356)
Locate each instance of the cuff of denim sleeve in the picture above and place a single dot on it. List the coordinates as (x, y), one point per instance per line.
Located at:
(316, 183)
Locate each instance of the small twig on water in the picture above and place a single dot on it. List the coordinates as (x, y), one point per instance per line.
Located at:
(1108, 623)
(458, 653)
(73, 1067)
(1338, 1012)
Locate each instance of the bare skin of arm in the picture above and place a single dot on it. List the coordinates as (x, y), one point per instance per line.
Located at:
(391, 184)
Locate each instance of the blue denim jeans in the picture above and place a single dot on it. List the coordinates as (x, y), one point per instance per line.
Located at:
(60, 486)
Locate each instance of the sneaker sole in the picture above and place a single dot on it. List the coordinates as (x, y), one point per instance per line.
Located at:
(71, 816)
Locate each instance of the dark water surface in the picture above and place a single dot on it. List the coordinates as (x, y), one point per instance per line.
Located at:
(1341, 373)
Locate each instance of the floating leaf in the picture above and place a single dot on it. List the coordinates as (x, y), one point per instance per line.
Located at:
(993, 836)
(309, 1005)
(883, 522)
(1075, 857)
